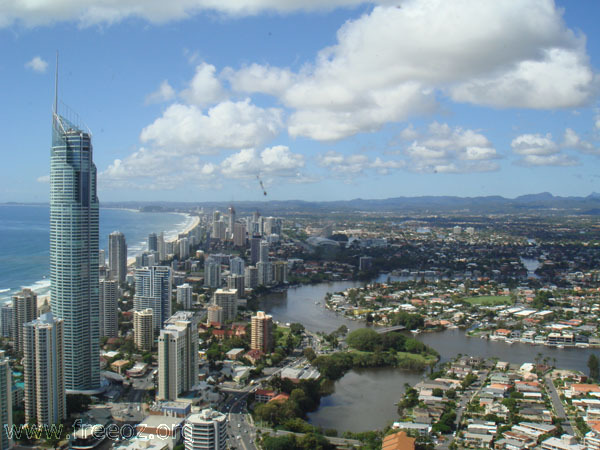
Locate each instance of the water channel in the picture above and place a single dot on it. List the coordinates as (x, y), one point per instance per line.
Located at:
(366, 399)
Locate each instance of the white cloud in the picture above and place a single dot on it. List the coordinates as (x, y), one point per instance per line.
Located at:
(572, 140)
(37, 64)
(205, 88)
(547, 160)
(164, 93)
(597, 122)
(446, 150)
(534, 144)
(409, 133)
(258, 78)
(349, 166)
(391, 63)
(92, 12)
(43, 179)
(538, 150)
(277, 161)
(228, 125)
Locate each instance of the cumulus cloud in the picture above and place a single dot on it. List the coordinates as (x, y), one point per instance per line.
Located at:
(37, 64)
(151, 169)
(205, 88)
(443, 149)
(43, 179)
(227, 125)
(502, 54)
(164, 93)
(348, 166)
(572, 140)
(538, 150)
(93, 12)
(273, 161)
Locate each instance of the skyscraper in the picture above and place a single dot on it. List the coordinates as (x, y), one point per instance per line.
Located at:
(212, 273)
(255, 249)
(177, 355)
(153, 290)
(117, 256)
(152, 242)
(226, 299)
(184, 296)
(24, 310)
(109, 295)
(74, 252)
(5, 402)
(143, 330)
(262, 332)
(45, 401)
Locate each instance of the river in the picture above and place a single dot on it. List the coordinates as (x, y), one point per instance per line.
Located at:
(366, 399)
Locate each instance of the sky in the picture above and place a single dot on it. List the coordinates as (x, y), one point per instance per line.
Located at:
(201, 100)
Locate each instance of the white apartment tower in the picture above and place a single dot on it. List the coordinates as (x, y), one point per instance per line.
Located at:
(177, 355)
(184, 296)
(226, 299)
(206, 430)
(45, 401)
(24, 310)
(143, 329)
(153, 290)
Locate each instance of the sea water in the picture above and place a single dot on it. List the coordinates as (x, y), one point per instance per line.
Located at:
(25, 241)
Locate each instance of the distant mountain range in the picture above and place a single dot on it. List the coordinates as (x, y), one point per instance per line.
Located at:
(543, 203)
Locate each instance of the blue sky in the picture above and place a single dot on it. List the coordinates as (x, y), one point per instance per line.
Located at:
(193, 100)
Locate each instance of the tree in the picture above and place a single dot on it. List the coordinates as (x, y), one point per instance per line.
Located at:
(309, 354)
(364, 339)
(594, 366)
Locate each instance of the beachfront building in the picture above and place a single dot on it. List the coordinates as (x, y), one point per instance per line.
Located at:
(5, 402)
(177, 355)
(117, 256)
(261, 337)
(109, 296)
(152, 242)
(205, 430)
(153, 290)
(226, 299)
(6, 320)
(24, 310)
(74, 229)
(143, 330)
(45, 401)
(184, 296)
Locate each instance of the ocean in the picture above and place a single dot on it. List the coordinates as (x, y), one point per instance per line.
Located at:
(25, 241)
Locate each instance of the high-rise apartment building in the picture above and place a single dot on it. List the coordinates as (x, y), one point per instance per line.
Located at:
(6, 403)
(251, 277)
(184, 296)
(255, 249)
(177, 355)
(152, 242)
(143, 329)
(214, 314)
(236, 266)
(265, 273)
(109, 304)
(153, 290)
(262, 332)
(236, 282)
(184, 248)
(239, 234)
(74, 228)
(280, 272)
(6, 320)
(231, 221)
(161, 247)
(226, 299)
(212, 273)
(24, 310)
(45, 401)
(117, 256)
(206, 430)
(264, 252)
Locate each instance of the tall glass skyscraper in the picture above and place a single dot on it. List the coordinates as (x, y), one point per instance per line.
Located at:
(74, 233)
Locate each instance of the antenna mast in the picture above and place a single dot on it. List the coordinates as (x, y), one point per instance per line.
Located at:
(56, 86)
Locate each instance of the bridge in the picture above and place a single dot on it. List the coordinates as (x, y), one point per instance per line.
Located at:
(390, 329)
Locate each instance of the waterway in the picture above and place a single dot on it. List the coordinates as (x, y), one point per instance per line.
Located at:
(366, 399)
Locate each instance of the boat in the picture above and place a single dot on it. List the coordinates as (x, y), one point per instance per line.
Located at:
(415, 331)
(509, 341)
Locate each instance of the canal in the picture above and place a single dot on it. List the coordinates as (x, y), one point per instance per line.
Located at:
(366, 399)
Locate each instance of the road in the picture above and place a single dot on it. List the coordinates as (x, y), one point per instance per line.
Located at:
(558, 406)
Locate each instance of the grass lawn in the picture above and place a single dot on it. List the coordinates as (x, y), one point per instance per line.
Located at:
(489, 300)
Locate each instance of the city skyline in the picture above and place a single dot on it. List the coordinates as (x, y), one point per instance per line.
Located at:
(316, 101)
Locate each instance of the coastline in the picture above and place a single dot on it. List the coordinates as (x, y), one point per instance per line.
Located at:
(42, 285)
